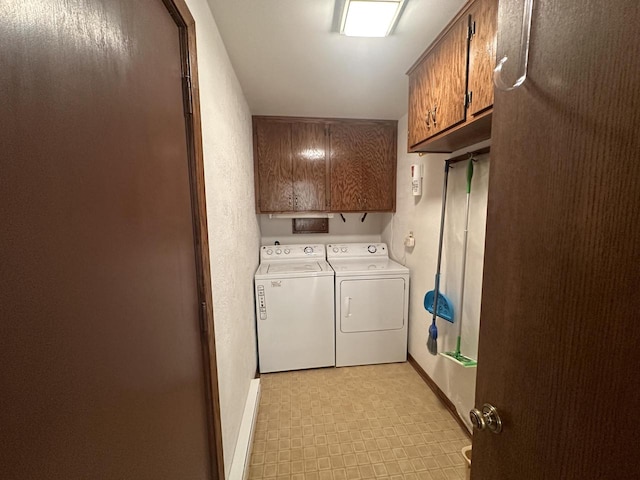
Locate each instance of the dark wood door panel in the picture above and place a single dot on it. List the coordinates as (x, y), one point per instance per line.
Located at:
(482, 54)
(101, 363)
(308, 147)
(559, 324)
(275, 168)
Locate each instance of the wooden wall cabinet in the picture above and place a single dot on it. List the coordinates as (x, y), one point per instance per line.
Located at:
(324, 165)
(290, 162)
(363, 166)
(451, 84)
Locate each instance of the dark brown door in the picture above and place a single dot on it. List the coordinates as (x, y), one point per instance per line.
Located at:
(559, 331)
(101, 370)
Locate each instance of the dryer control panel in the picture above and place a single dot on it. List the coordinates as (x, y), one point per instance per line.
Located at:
(288, 252)
(357, 250)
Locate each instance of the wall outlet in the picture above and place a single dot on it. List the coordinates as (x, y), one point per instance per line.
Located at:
(410, 241)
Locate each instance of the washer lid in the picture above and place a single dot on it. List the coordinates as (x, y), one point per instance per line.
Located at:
(367, 267)
(280, 269)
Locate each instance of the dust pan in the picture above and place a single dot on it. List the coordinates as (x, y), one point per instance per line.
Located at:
(445, 307)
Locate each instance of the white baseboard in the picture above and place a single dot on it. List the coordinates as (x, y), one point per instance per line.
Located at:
(242, 455)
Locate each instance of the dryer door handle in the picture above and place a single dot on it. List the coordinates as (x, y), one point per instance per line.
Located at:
(347, 307)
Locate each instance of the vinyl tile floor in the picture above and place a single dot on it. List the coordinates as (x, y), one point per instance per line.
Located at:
(352, 423)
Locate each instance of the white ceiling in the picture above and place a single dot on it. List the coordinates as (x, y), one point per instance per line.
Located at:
(290, 62)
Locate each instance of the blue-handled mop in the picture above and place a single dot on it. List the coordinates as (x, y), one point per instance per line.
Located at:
(441, 305)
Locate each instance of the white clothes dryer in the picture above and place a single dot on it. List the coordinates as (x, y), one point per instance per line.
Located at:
(371, 304)
(294, 308)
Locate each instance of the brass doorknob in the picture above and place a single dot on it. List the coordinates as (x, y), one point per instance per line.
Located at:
(488, 418)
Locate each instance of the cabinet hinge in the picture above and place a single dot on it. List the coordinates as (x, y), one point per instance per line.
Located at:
(467, 98)
(187, 95)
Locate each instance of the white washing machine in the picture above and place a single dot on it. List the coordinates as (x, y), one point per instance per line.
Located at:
(294, 308)
(372, 304)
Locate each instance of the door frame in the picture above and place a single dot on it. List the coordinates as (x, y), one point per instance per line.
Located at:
(191, 95)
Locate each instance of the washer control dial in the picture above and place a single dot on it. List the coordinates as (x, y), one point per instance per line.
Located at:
(336, 249)
(269, 251)
(343, 249)
(308, 250)
(278, 251)
(372, 249)
(287, 251)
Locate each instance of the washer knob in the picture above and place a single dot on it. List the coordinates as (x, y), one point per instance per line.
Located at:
(287, 251)
(308, 250)
(278, 251)
(269, 252)
(372, 249)
(343, 249)
(336, 249)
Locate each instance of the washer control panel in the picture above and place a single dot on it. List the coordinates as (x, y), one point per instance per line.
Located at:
(351, 250)
(262, 304)
(288, 252)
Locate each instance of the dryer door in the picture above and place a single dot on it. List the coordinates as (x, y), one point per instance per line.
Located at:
(368, 305)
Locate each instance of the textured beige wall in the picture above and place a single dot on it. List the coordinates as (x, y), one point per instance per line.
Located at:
(234, 234)
(422, 216)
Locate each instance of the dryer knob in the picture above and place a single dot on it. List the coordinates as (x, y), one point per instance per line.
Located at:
(287, 251)
(343, 249)
(372, 249)
(308, 250)
(278, 252)
(269, 252)
(336, 249)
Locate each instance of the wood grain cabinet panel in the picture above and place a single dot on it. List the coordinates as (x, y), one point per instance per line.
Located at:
(308, 142)
(363, 166)
(451, 84)
(273, 162)
(446, 79)
(482, 54)
(324, 165)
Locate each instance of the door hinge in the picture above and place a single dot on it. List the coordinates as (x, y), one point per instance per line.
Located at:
(187, 94)
(204, 325)
(467, 99)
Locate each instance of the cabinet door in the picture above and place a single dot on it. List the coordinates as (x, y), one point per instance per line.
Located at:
(447, 82)
(419, 124)
(363, 166)
(349, 150)
(308, 141)
(482, 54)
(274, 166)
(380, 167)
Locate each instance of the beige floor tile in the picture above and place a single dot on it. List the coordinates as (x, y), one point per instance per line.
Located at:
(351, 424)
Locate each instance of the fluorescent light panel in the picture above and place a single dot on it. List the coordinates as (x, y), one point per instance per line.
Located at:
(369, 18)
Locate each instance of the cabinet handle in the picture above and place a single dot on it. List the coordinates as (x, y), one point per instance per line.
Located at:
(426, 118)
(290, 202)
(433, 114)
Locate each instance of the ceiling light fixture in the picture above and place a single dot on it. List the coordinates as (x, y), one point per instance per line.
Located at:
(370, 18)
